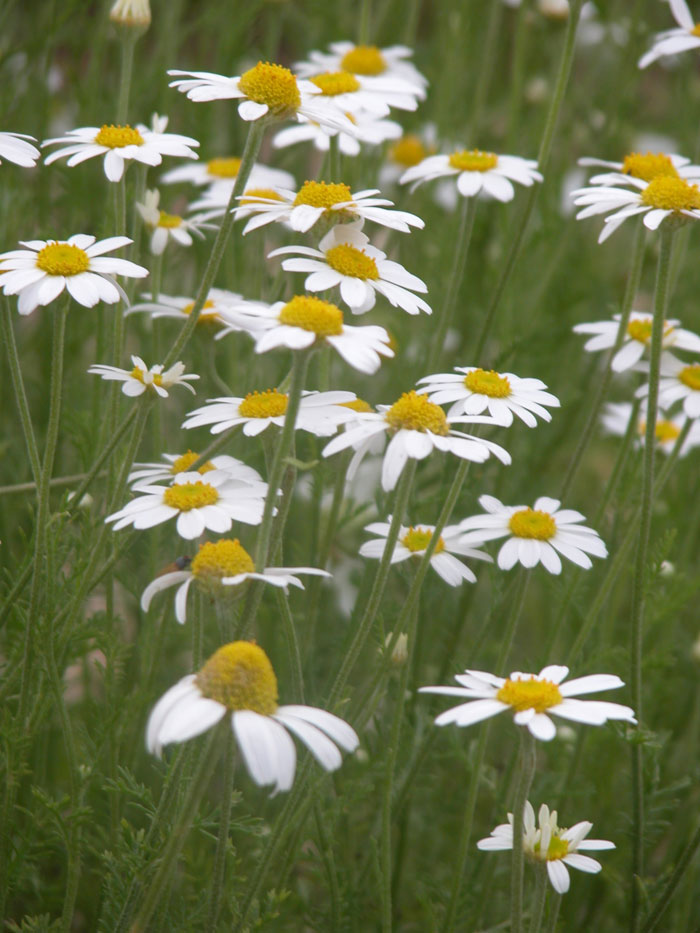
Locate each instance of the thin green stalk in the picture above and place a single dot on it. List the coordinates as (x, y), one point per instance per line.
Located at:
(8, 335)
(219, 871)
(682, 866)
(538, 899)
(527, 772)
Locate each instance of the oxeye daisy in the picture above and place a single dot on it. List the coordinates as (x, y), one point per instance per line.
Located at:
(40, 273)
(616, 418)
(238, 681)
(368, 129)
(320, 413)
(550, 843)
(18, 148)
(222, 171)
(413, 541)
(636, 339)
(180, 307)
(368, 60)
(678, 381)
(684, 37)
(172, 464)
(121, 144)
(473, 390)
(417, 427)
(307, 320)
(476, 172)
(218, 569)
(212, 501)
(644, 166)
(345, 258)
(532, 698)
(535, 534)
(165, 227)
(141, 377)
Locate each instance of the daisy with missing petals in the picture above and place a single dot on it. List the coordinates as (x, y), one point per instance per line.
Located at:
(636, 339)
(179, 307)
(320, 413)
(413, 542)
(532, 698)
(165, 227)
(473, 391)
(550, 843)
(140, 378)
(643, 166)
(476, 172)
(368, 60)
(223, 170)
(368, 129)
(672, 41)
(535, 535)
(18, 148)
(213, 501)
(40, 273)
(238, 681)
(121, 144)
(616, 418)
(307, 320)
(335, 203)
(238, 471)
(345, 258)
(678, 382)
(417, 427)
(218, 569)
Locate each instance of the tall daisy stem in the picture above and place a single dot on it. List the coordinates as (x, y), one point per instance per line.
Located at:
(527, 771)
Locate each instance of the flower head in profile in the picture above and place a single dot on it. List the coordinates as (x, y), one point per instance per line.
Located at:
(636, 339)
(535, 535)
(683, 38)
(165, 227)
(366, 60)
(678, 382)
(141, 377)
(367, 128)
(643, 166)
(533, 698)
(550, 843)
(172, 464)
(239, 681)
(18, 148)
(219, 569)
(40, 272)
(476, 172)
(180, 307)
(616, 418)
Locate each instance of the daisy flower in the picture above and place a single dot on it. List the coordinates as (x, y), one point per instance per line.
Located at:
(199, 501)
(140, 378)
(644, 166)
(320, 413)
(180, 463)
(686, 36)
(417, 427)
(223, 171)
(368, 128)
(307, 320)
(678, 381)
(550, 843)
(532, 698)
(180, 307)
(165, 227)
(476, 172)
(413, 542)
(15, 148)
(616, 418)
(238, 681)
(637, 338)
(368, 60)
(354, 95)
(120, 144)
(217, 569)
(473, 391)
(40, 273)
(535, 535)
(345, 258)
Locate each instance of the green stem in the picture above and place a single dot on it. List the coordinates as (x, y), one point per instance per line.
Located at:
(18, 385)
(684, 863)
(219, 870)
(527, 771)
(538, 899)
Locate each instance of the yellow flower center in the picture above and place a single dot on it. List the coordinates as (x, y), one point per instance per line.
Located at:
(363, 60)
(487, 382)
(531, 693)
(223, 558)
(313, 314)
(268, 404)
(169, 220)
(357, 404)
(240, 676)
(334, 83)
(531, 523)
(348, 260)
(557, 849)
(690, 376)
(473, 160)
(183, 463)
(417, 539)
(671, 194)
(414, 412)
(203, 313)
(114, 137)
(321, 194)
(224, 168)
(62, 259)
(408, 151)
(273, 85)
(155, 378)
(649, 166)
(189, 496)
(254, 194)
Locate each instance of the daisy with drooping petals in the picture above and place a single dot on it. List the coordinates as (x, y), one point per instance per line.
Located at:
(550, 843)
(165, 227)
(180, 307)
(40, 273)
(223, 170)
(684, 37)
(417, 427)
(643, 166)
(533, 698)
(120, 144)
(345, 258)
(501, 394)
(368, 60)
(18, 148)
(368, 129)
(320, 413)
(238, 680)
(213, 501)
(535, 535)
(217, 569)
(413, 542)
(616, 418)
(140, 378)
(476, 172)
(637, 338)
(678, 381)
(238, 471)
